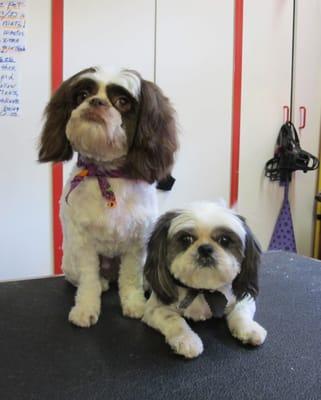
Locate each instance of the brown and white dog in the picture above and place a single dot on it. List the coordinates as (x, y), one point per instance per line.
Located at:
(123, 129)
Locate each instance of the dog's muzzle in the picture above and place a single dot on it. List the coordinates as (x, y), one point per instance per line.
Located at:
(96, 110)
(205, 256)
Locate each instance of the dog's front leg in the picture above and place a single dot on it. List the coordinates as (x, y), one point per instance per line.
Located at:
(241, 324)
(88, 297)
(182, 339)
(131, 290)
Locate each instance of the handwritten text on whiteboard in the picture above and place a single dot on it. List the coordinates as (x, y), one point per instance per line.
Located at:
(12, 26)
(9, 95)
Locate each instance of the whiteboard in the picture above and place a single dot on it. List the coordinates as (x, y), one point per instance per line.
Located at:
(25, 200)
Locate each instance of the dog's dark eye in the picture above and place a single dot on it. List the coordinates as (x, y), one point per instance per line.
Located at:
(187, 240)
(122, 103)
(224, 240)
(81, 96)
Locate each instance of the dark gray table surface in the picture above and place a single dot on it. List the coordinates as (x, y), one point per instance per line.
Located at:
(42, 356)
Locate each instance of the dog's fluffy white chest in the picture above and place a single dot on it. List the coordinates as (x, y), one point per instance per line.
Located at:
(130, 220)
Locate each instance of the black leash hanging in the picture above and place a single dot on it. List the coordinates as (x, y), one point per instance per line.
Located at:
(289, 156)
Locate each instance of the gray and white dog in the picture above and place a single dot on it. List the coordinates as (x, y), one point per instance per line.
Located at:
(202, 262)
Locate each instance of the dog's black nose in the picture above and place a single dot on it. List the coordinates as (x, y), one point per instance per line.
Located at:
(205, 250)
(97, 102)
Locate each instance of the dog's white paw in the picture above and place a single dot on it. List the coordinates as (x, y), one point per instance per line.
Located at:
(252, 333)
(134, 306)
(84, 316)
(188, 344)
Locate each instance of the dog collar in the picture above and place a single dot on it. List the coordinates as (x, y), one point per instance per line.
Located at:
(91, 170)
(215, 299)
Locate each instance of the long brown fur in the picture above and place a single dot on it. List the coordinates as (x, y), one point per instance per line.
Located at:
(54, 145)
(155, 142)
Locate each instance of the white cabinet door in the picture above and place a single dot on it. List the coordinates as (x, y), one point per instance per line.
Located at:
(110, 33)
(25, 216)
(266, 88)
(307, 93)
(194, 67)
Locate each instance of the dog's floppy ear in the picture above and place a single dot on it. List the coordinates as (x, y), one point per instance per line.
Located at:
(54, 145)
(156, 268)
(155, 141)
(246, 281)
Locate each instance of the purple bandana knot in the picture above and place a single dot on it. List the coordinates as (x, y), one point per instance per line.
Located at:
(91, 170)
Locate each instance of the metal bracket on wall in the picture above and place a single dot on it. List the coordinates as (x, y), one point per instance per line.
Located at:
(286, 114)
(303, 114)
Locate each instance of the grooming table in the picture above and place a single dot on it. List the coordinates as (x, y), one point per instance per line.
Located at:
(43, 356)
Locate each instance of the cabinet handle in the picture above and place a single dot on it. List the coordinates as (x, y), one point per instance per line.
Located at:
(286, 114)
(303, 114)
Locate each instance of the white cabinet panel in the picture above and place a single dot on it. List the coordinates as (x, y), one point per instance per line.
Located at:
(307, 92)
(110, 33)
(25, 200)
(194, 67)
(266, 88)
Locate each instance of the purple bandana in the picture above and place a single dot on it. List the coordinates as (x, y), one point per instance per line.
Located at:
(91, 170)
